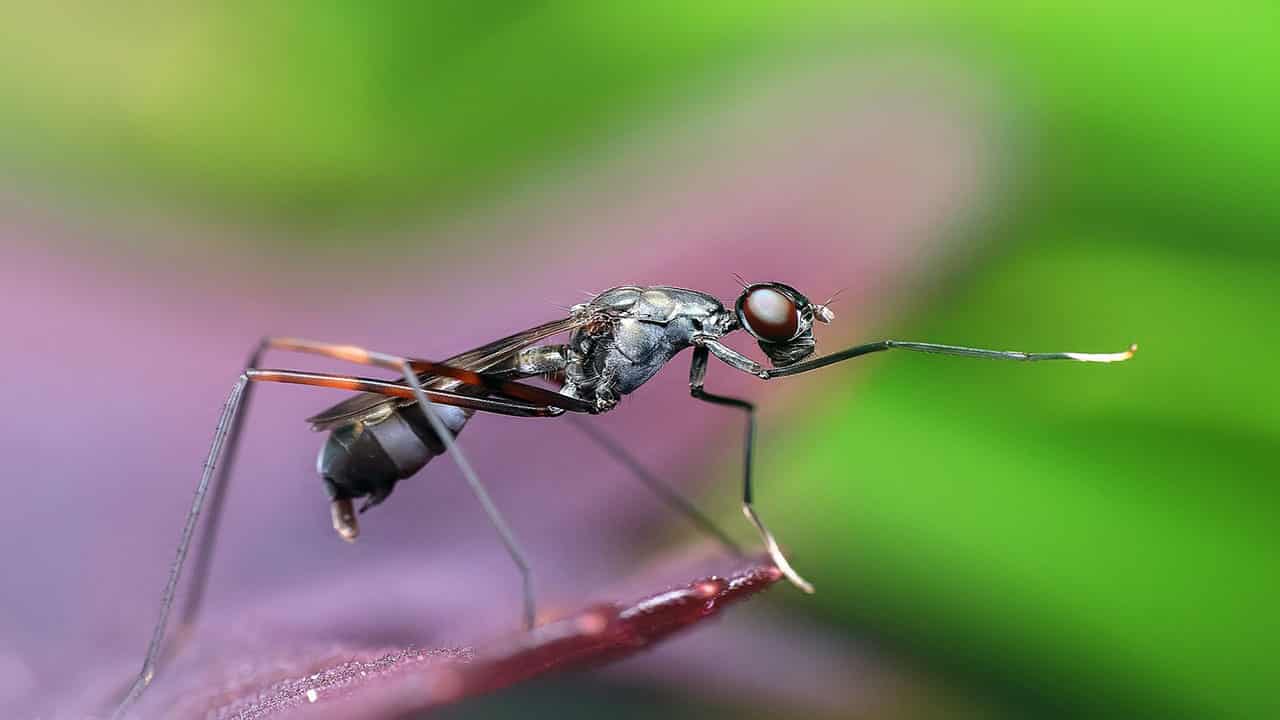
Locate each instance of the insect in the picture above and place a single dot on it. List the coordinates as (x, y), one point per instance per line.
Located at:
(617, 341)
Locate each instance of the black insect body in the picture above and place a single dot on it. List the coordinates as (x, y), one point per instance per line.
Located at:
(617, 341)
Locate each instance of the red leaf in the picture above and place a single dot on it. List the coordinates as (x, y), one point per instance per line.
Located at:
(413, 680)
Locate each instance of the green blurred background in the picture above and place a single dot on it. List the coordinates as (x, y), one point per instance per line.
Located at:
(1026, 548)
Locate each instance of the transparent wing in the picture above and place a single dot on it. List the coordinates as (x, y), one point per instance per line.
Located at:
(475, 360)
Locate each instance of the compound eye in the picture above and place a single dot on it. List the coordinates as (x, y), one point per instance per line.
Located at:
(771, 315)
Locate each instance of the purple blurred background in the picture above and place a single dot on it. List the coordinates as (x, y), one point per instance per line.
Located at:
(118, 361)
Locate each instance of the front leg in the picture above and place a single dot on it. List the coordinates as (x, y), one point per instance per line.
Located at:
(728, 356)
(697, 375)
(737, 360)
(937, 349)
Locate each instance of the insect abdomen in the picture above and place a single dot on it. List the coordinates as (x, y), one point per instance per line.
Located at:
(368, 457)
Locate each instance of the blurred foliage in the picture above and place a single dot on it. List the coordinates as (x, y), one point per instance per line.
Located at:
(1096, 540)
(340, 112)
(1097, 536)
(1099, 540)
(341, 109)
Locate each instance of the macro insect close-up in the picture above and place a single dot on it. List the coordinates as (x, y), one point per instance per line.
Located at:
(619, 339)
(689, 360)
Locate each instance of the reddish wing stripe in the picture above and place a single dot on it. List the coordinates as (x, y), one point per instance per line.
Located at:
(353, 384)
(480, 358)
(399, 390)
(509, 388)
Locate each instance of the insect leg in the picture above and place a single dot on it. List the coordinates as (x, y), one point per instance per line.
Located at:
(409, 368)
(149, 663)
(697, 376)
(550, 360)
(937, 349)
(398, 389)
(206, 547)
(491, 382)
(664, 491)
(477, 488)
(225, 433)
(451, 446)
(209, 534)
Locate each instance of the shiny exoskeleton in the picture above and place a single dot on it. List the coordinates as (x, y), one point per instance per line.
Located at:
(624, 336)
(617, 342)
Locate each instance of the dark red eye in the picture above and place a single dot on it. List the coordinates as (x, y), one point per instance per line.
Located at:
(771, 315)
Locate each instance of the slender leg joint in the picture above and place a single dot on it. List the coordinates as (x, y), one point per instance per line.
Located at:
(775, 553)
(496, 519)
(697, 375)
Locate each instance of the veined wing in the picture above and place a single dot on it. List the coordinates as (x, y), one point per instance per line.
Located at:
(475, 360)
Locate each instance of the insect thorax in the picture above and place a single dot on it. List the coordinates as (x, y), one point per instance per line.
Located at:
(637, 331)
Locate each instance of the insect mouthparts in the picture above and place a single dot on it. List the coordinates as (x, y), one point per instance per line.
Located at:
(344, 519)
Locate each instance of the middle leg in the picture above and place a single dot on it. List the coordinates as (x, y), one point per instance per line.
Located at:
(551, 361)
(656, 485)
